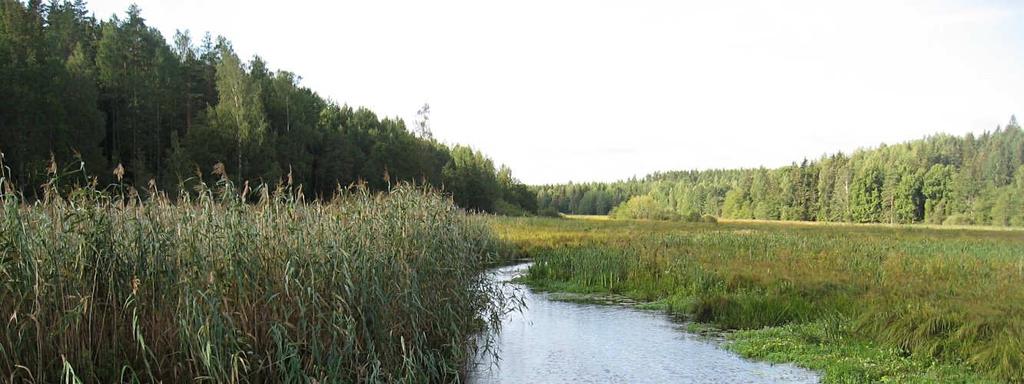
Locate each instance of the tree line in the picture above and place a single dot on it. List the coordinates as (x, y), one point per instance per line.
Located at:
(588, 198)
(109, 93)
(940, 179)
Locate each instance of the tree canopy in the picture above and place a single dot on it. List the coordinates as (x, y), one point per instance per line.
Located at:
(939, 179)
(103, 93)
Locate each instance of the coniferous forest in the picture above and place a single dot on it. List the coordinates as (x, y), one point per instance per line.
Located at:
(81, 91)
(941, 179)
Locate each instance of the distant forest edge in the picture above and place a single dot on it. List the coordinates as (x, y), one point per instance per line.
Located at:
(941, 179)
(77, 90)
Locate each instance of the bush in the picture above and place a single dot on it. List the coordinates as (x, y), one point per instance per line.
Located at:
(549, 212)
(506, 208)
(692, 217)
(708, 219)
(643, 208)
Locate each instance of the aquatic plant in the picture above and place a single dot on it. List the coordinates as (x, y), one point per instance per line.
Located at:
(237, 286)
(941, 295)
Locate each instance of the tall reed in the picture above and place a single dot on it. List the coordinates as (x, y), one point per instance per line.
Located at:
(105, 286)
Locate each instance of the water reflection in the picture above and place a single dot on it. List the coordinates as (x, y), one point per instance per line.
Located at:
(559, 342)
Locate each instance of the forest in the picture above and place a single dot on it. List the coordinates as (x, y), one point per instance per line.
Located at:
(91, 96)
(940, 179)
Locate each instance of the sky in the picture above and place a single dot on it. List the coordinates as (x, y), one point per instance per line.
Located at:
(602, 90)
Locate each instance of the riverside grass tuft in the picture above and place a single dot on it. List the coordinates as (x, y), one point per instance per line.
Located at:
(857, 303)
(103, 286)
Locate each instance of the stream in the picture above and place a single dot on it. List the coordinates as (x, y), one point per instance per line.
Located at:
(561, 342)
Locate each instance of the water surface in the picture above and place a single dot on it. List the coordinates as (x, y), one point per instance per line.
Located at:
(560, 342)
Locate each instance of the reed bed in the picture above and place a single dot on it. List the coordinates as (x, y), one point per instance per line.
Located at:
(105, 286)
(946, 296)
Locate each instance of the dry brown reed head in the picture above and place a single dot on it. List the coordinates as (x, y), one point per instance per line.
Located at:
(52, 169)
(133, 196)
(264, 196)
(119, 172)
(219, 170)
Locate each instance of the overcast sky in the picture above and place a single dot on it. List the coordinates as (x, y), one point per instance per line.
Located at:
(599, 90)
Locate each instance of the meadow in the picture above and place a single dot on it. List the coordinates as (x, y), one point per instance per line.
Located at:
(858, 303)
(107, 286)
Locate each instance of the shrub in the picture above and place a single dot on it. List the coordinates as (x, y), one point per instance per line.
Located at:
(505, 208)
(692, 217)
(643, 208)
(549, 212)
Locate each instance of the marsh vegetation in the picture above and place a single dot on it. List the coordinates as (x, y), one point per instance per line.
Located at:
(859, 303)
(108, 286)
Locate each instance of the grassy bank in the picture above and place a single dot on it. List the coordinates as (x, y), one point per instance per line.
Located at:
(108, 287)
(859, 303)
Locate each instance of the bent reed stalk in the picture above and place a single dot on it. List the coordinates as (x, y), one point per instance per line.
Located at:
(104, 286)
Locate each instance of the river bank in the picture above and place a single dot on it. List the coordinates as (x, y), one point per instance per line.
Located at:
(857, 304)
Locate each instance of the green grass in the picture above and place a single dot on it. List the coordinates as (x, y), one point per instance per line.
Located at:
(844, 360)
(935, 297)
(106, 287)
